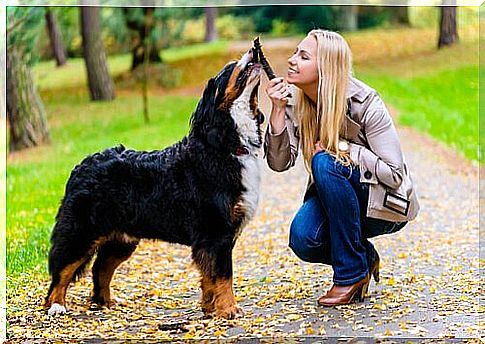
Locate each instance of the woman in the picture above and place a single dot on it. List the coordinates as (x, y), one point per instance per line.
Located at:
(359, 184)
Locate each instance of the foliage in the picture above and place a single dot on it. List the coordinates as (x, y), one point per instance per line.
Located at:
(304, 18)
(23, 24)
(371, 16)
(228, 27)
(428, 16)
(281, 28)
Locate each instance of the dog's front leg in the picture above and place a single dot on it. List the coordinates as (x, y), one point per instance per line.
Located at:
(215, 265)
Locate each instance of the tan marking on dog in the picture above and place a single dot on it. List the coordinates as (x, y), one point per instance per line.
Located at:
(230, 94)
(105, 275)
(207, 301)
(225, 303)
(58, 294)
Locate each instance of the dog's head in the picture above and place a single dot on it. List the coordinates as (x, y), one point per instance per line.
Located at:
(229, 105)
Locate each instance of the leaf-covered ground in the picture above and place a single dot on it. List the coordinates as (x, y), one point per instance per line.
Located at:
(429, 285)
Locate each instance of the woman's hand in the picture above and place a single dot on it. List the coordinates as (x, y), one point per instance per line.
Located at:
(318, 148)
(277, 91)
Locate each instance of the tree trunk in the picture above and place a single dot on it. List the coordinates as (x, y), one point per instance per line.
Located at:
(100, 83)
(55, 38)
(143, 30)
(349, 18)
(25, 110)
(448, 30)
(210, 27)
(400, 15)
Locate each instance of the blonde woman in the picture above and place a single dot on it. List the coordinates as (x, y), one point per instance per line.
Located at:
(359, 184)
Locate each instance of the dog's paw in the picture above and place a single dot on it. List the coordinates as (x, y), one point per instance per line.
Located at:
(56, 309)
(230, 312)
(101, 302)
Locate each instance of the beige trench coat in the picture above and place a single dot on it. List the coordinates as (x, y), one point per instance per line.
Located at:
(374, 147)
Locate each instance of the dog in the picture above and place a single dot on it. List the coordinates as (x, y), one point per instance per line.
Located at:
(200, 192)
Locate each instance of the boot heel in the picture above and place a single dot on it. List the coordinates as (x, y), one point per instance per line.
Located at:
(375, 273)
(363, 291)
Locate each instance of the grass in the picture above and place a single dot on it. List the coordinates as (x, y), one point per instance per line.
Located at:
(73, 74)
(36, 178)
(443, 104)
(434, 91)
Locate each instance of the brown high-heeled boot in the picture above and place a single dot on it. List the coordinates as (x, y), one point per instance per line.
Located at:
(343, 295)
(374, 269)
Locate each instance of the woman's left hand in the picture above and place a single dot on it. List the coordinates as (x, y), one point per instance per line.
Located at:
(318, 148)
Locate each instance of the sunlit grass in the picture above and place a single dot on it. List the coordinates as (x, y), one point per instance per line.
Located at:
(443, 104)
(36, 177)
(73, 74)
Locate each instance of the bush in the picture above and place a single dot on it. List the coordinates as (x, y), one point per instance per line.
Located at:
(228, 27)
(283, 28)
(234, 28)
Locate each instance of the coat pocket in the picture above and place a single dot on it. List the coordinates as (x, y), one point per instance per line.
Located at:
(396, 202)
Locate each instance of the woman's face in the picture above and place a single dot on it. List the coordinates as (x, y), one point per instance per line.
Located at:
(302, 65)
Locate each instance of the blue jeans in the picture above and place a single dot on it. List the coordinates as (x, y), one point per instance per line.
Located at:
(331, 227)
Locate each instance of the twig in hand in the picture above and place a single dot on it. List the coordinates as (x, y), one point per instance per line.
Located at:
(258, 51)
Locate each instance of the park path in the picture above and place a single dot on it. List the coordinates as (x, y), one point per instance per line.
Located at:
(429, 274)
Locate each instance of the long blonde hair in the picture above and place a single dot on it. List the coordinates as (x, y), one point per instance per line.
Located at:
(324, 121)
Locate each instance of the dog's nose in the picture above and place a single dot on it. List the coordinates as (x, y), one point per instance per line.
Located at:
(245, 59)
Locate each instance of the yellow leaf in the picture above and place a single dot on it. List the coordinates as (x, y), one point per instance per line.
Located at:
(387, 332)
(220, 333)
(322, 331)
(258, 320)
(380, 306)
(310, 331)
(293, 317)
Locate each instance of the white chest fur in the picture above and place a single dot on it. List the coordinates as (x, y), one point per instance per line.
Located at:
(251, 180)
(251, 163)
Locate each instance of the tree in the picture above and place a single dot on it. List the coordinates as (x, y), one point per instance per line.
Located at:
(100, 83)
(25, 110)
(55, 38)
(142, 24)
(210, 28)
(400, 15)
(448, 31)
(349, 17)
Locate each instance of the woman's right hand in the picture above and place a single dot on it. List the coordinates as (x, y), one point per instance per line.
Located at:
(277, 91)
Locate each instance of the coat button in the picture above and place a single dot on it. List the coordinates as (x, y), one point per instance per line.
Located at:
(367, 175)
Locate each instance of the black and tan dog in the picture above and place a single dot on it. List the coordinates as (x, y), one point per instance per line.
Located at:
(199, 192)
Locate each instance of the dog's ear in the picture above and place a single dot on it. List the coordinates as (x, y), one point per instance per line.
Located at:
(206, 104)
(210, 89)
(214, 137)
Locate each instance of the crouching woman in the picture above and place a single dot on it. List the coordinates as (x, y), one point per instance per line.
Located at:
(359, 186)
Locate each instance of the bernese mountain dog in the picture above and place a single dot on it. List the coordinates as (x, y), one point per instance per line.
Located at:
(200, 192)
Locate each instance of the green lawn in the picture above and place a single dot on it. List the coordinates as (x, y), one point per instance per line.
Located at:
(435, 92)
(443, 104)
(48, 76)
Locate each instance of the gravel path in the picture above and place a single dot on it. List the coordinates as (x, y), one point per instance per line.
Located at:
(429, 274)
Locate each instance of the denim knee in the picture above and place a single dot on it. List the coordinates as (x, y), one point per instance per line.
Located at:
(322, 164)
(305, 243)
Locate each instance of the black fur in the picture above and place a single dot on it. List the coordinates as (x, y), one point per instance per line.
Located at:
(183, 194)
